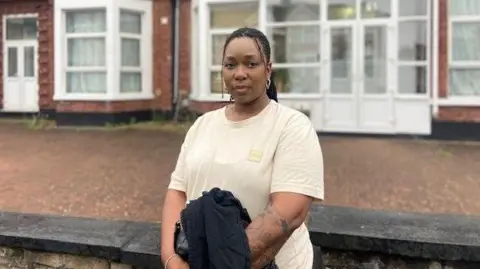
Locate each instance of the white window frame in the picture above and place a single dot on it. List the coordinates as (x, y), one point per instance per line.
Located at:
(452, 100)
(205, 49)
(201, 89)
(69, 36)
(113, 61)
(141, 40)
(427, 19)
(194, 52)
(320, 23)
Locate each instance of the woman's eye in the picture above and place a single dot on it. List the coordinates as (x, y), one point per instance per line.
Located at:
(229, 66)
(252, 64)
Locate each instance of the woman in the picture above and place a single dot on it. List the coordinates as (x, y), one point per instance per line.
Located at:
(266, 154)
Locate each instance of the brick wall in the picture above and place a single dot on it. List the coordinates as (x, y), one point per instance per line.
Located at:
(44, 9)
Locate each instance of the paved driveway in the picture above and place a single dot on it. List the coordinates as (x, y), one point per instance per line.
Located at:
(123, 173)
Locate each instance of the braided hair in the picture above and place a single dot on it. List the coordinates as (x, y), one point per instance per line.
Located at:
(263, 46)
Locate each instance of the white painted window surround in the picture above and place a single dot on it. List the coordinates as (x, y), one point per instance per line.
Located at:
(464, 56)
(111, 74)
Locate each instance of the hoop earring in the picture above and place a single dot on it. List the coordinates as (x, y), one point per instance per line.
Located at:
(268, 84)
(224, 88)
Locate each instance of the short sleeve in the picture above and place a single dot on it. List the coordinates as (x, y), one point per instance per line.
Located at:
(298, 160)
(178, 179)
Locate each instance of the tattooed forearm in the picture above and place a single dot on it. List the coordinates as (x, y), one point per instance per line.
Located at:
(267, 234)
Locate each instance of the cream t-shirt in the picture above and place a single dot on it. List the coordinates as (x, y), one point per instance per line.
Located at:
(277, 150)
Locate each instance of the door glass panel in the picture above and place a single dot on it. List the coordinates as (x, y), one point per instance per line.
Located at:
(285, 11)
(375, 60)
(341, 9)
(12, 62)
(412, 79)
(412, 44)
(295, 44)
(21, 29)
(28, 62)
(372, 9)
(341, 60)
(233, 15)
(413, 8)
(297, 79)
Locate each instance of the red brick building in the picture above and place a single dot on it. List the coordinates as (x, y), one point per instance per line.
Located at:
(398, 67)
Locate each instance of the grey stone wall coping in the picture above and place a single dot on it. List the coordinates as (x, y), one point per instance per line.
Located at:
(415, 235)
(437, 237)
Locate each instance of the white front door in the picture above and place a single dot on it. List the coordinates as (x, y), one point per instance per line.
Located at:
(20, 88)
(359, 64)
(375, 66)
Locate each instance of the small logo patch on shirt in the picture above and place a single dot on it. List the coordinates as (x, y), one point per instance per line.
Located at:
(255, 155)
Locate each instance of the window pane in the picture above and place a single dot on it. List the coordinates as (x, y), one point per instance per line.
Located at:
(283, 11)
(466, 41)
(130, 52)
(464, 82)
(22, 29)
(86, 82)
(218, 41)
(297, 80)
(28, 62)
(12, 62)
(464, 7)
(216, 82)
(341, 60)
(375, 61)
(86, 51)
(88, 21)
(295, 44)
(412, 44)
(130, 22)
(376, 9)
(233, 15)
(130, 82)
(412, 79)
(341, 9)
(412, 8)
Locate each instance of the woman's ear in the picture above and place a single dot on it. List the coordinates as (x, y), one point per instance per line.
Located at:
(269, 70)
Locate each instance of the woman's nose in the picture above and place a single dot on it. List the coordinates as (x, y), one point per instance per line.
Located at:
(240, 73)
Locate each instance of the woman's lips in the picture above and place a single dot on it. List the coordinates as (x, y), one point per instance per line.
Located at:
(242, 89)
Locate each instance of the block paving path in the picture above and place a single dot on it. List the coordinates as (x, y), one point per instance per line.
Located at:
(123, 174)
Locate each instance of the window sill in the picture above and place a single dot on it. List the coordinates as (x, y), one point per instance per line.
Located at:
(459, 101)
(103, 97)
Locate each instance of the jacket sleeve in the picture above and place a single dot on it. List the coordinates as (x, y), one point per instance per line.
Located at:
(298, 160)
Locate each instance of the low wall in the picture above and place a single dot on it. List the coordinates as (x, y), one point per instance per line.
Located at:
(344, 238)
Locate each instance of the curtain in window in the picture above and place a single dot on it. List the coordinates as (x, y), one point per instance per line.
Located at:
(465, 44)
(86, 52)
(131, 23)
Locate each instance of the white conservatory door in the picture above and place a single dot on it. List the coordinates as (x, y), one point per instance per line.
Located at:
(360, 91)
(362, 69)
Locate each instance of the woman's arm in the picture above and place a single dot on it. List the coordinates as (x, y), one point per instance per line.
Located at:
(297, 180)
(271, 229)
(174, 203)
(175, 198)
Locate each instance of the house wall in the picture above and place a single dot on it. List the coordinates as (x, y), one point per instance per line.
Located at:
(446, 113)
(449, 113)
(44, 9)
(162, 65)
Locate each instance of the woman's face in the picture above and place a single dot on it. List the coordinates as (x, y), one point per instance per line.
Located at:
(244, 70)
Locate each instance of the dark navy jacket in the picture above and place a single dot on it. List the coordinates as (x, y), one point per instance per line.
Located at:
(214, 226)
